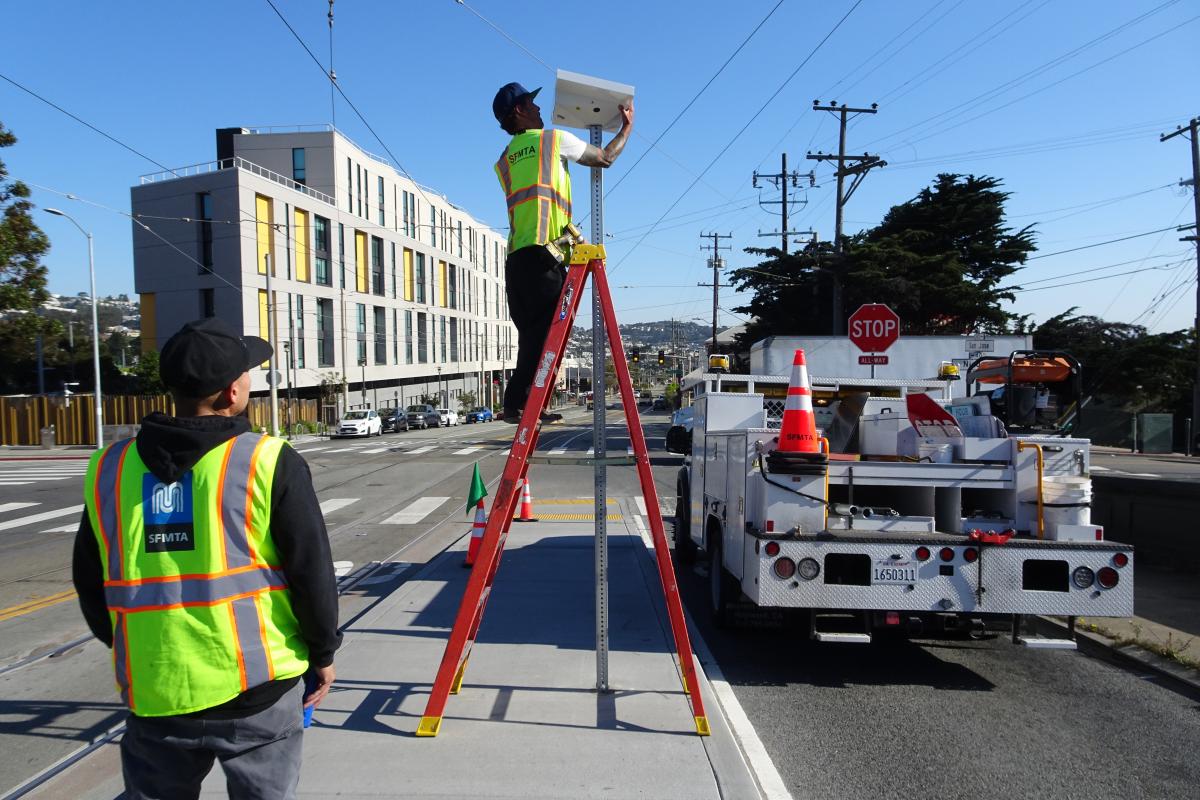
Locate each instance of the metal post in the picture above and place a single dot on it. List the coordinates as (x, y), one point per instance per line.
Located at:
(272, 381)
(598, 431)
(96, 345)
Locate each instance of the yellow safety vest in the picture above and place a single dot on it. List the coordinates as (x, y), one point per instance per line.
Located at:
(536, 187)
(199, 604)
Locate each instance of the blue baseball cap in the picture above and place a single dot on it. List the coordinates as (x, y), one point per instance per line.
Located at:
(509, 97)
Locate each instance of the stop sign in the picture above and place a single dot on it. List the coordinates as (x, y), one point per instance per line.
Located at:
(874, 328)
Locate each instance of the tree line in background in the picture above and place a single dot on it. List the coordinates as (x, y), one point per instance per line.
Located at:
(945, 261)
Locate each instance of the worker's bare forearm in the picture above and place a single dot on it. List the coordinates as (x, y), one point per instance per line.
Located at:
(595, 157)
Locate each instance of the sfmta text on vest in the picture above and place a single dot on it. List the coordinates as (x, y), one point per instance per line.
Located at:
(524, 152)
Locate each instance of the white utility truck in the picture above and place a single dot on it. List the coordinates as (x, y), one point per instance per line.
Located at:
(904, 531)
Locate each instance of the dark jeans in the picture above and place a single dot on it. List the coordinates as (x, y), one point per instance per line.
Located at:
(167, 757)
(535, 281)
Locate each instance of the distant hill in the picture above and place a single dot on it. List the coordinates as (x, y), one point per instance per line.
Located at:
(651, 335)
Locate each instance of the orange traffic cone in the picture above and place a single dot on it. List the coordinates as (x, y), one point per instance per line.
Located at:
(477, 529)
(526, 504)
(798, 434)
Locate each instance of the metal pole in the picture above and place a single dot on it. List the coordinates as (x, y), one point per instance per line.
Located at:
(716, 262)
(783, 181)
(272, 381)
(1195, 126)
(598, 431)
(95, 345)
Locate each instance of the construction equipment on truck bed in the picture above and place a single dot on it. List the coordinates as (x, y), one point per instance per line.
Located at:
(940, 520)
(1031, 391)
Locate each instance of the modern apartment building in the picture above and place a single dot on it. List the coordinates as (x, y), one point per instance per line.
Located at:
(373, 278)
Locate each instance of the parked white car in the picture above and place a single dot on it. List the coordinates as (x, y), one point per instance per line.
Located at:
(448, 417)
(363, 422)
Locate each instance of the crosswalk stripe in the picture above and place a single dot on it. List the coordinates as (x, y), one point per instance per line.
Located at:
(330, 506)
(62, 529)
(641, 504)
(466, 451)
(341, 450)
(14, 506)
(14, 483)
(421, 450)
(416, 512)
(42, 517)
(312, 449)
(374, 450)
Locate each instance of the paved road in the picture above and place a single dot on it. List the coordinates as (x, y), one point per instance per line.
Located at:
(950, 718)
(1150, 467)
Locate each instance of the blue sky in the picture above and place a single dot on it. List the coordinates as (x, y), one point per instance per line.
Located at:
(1063, 100)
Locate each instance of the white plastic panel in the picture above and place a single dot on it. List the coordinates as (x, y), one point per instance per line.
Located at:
(581, 101)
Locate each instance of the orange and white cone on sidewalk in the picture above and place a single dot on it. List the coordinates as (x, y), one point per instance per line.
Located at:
(526, 504)
(476, 534)
(798, 434)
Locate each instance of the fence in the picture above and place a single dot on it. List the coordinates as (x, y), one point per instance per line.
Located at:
(22, 419)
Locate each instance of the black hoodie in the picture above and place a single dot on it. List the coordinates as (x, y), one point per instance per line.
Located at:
(170, 446)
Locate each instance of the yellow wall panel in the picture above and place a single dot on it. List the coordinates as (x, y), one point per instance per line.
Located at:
(442, 284)
(263, 215)
(408, 274)
(302, 253)
(360, 254)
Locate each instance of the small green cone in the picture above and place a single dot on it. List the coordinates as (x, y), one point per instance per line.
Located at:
(478, 491)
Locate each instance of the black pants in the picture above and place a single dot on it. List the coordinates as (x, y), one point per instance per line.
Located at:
(535, 281)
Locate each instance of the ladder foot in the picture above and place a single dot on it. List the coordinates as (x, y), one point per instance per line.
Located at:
(458, 677)
(429, 726)
(702, 726)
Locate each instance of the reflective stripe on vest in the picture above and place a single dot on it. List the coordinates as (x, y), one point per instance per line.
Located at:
(538, 196)
(193, 593)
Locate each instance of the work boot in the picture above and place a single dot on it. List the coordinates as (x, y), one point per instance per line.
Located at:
(549, 418)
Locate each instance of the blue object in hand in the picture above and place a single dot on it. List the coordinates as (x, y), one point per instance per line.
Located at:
(310, 686)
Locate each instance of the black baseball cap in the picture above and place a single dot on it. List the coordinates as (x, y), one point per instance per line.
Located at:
(509, 96)
(207, 355)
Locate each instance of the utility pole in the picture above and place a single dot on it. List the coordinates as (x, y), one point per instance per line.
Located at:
(780, 180)
(716, 262)
(856, 167)
(1192, 132)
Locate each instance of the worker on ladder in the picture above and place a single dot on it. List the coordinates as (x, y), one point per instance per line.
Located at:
(537, 187)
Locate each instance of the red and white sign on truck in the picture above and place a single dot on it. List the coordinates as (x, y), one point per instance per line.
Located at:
(874, 328)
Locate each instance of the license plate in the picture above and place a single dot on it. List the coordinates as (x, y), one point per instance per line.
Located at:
(893, 573)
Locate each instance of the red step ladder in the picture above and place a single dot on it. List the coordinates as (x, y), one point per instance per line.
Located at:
(586, 260)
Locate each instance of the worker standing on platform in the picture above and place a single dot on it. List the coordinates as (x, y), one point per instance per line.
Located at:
(537, 187)
(202, 559)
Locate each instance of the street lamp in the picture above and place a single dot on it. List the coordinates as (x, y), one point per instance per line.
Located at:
(95, 325)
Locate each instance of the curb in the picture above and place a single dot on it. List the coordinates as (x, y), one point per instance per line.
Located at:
(1174, 676)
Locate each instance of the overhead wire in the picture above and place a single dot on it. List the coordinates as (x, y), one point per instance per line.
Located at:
(742, 130)
(1101, 244)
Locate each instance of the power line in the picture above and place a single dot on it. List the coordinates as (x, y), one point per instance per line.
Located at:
(1089, 280)
(743, 129)
(1101, 244)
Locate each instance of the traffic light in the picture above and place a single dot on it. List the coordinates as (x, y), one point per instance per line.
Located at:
(662, 357)
(635, 356)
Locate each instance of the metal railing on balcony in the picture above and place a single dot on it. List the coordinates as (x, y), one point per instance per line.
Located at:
(237, 162)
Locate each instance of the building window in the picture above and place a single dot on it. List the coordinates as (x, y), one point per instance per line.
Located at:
(298, 333)
(342, 253)
(362, 333)
(395, 336)
(204, 205)
(442, 340)
(358, 172)
(420, 278)
(380, 335)
(433, 238)
(407, 220)
(408, 337)
(452, 286)
(298, 165)
(393, 270)
(377, 285)
(382, 222)
(422, 339)
(321, 250)
(454, 340)
(325, 332)
(349, 186)
(460, 239)
(208, 303)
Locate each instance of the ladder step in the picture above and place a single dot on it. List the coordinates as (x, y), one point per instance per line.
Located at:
(1043, 643)
(842, 636)
(586, 461)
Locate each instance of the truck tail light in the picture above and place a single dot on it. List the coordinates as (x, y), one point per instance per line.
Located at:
(923, 553)
(772, 549)
(1121, 559)
(785, 567)
(946, 554)
(970, 554)
(1107, 577)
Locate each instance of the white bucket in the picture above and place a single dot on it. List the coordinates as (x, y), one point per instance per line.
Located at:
(1066, 501)
(936, 453)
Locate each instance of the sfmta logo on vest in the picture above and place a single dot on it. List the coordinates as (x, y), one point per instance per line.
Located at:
(167, 514)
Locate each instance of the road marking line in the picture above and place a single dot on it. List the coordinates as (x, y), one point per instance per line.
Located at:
(374, 450)
(330, 506)
(466, 451)
(45, 515)
(1143, 475)
(341, 568)
(15, 483)
(38, 604)
(1099, 469)
(421, 450)
(641, 504)
(579, 517)
(312, 449)
(645, 534)
(63, 529)
(14, 506)
(416, 512)
(591, 451)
